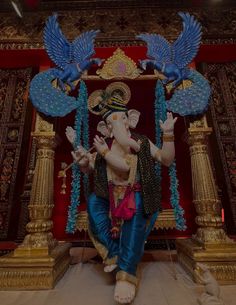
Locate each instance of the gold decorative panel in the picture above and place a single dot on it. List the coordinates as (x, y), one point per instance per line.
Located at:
(13, 106)
(118, 66)
(222, 78)
(166, 220)
(119, 22)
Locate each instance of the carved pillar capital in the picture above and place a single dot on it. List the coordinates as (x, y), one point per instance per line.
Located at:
(199, 132)
(198, 136)
(45, 142)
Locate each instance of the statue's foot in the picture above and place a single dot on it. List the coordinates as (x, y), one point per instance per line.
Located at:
(124, 292)
(110, 268)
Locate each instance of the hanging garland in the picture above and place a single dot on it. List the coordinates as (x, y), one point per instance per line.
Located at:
(160, 114)
(81, 122)
(174, 199)
(85, 132)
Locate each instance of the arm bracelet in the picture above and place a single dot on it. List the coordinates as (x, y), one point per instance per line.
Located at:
(103, 153)
(168, 137)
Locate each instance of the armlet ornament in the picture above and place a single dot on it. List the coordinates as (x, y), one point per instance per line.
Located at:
(168, 137)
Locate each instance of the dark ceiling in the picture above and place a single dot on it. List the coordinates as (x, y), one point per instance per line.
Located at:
(5, 5)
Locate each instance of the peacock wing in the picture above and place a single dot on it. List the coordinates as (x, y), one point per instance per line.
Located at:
(185, 48)
(57, 46)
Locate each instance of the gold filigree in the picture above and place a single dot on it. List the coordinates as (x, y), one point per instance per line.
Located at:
(124, 276)
(82, 221)
(119, 66)
(68, 88)
(6, 174)
(224, 272)
(199, 123)
(99, 100)
(119, 26)
(18, 108)
(13, 108)
(42, 125)
(198, 132)
(219, 258)
(102, 250)
(34, 272)
(165, 220)
(212, 237)
(186, 83)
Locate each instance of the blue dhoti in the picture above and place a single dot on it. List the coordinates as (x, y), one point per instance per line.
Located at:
(129, 247)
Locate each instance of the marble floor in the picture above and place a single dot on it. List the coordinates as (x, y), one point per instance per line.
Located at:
(163, 283)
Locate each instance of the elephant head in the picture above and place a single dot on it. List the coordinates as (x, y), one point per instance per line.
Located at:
(118, 125)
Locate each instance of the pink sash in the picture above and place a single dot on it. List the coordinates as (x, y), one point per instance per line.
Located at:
(126, 208)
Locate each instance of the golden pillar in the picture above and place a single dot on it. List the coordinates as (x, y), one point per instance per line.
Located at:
(210, 245)
(40, 261)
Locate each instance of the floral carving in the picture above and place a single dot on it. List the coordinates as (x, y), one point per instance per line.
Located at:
(13, 86)
(118, 23)
(6, 173)
(223, 111)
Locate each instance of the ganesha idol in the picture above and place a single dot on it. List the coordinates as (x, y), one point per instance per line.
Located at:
(126, 200)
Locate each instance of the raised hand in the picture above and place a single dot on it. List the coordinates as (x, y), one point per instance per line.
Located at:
(70, 134)
(80, 156)
(168, 125)
(100, 144)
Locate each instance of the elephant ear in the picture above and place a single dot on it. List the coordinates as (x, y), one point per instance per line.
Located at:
(133, 116)
(102, 128)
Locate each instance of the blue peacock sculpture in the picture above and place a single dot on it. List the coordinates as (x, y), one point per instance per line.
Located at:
(72, 59)
(172, 59)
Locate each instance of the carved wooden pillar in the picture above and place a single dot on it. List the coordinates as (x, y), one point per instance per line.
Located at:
(210, 244)
(39, 262)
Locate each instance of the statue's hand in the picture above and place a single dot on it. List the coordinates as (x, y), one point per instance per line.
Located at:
(80, 156)
(168, 125)
(70, 134)
(100, 144)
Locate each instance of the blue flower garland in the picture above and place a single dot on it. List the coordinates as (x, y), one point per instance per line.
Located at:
(75, 184)
(81, 121)
(160, 114)
(85, 134)
(174, 199)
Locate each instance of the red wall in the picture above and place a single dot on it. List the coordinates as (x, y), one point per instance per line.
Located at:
(38, 57)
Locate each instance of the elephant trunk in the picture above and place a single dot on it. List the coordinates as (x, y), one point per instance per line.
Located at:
(122, 137)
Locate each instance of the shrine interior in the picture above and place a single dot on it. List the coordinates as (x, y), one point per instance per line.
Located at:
(205, 144)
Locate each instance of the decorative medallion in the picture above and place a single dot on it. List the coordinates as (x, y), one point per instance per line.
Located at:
(100, 101)
(118, 66)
